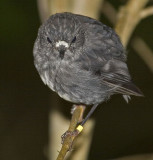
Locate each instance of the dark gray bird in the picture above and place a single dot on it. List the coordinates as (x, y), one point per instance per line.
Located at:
(82, 60)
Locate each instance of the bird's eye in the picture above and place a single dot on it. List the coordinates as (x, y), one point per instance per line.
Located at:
(73, 40)
(48, 39)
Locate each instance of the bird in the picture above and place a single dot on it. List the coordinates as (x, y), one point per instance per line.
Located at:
(82, 60)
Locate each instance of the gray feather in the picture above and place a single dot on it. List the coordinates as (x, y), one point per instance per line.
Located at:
(82, 59)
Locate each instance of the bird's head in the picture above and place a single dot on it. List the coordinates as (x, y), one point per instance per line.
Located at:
(61, 35)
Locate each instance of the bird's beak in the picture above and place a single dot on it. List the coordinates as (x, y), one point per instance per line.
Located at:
(61, 50)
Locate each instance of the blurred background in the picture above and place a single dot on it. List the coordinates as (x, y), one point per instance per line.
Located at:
(25, 102)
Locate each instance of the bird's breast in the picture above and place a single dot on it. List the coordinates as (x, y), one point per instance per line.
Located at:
(76, 85)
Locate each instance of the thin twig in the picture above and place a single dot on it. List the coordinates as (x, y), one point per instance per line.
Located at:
(137, 43)
(144, 51)
(109, 11)
(67, 144)
(83, 142)
(146, 12)
(128, 18)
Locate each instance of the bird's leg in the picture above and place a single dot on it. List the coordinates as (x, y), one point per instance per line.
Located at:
(79, 128)
(81, 113)
(77, 117)
(89, 114)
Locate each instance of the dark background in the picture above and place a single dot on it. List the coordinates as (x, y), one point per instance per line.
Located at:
(121, 129)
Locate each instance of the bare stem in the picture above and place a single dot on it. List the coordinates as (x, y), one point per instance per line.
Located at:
(137, 43)
(144, 51)
(128, 18)
(146, 12)
(77, 115)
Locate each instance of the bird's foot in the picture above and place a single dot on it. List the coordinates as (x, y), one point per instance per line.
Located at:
(71, 135)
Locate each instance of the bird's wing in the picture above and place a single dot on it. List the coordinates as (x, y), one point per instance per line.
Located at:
(101, 41)
(123, 85)
(115, 74)
(105, 57)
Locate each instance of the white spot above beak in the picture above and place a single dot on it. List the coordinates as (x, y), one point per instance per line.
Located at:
(59, 43)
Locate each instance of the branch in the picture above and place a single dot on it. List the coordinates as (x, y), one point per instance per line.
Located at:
(128, 18)
(89, 8)
(109, 11)
(137, 44)
(57, 6)
(67, 144)
(83, 142)
(144, 51)
(76, 6)
(146, 12)
(43, 9)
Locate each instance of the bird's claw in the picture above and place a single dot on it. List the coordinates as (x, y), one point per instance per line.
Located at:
(69, 134)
